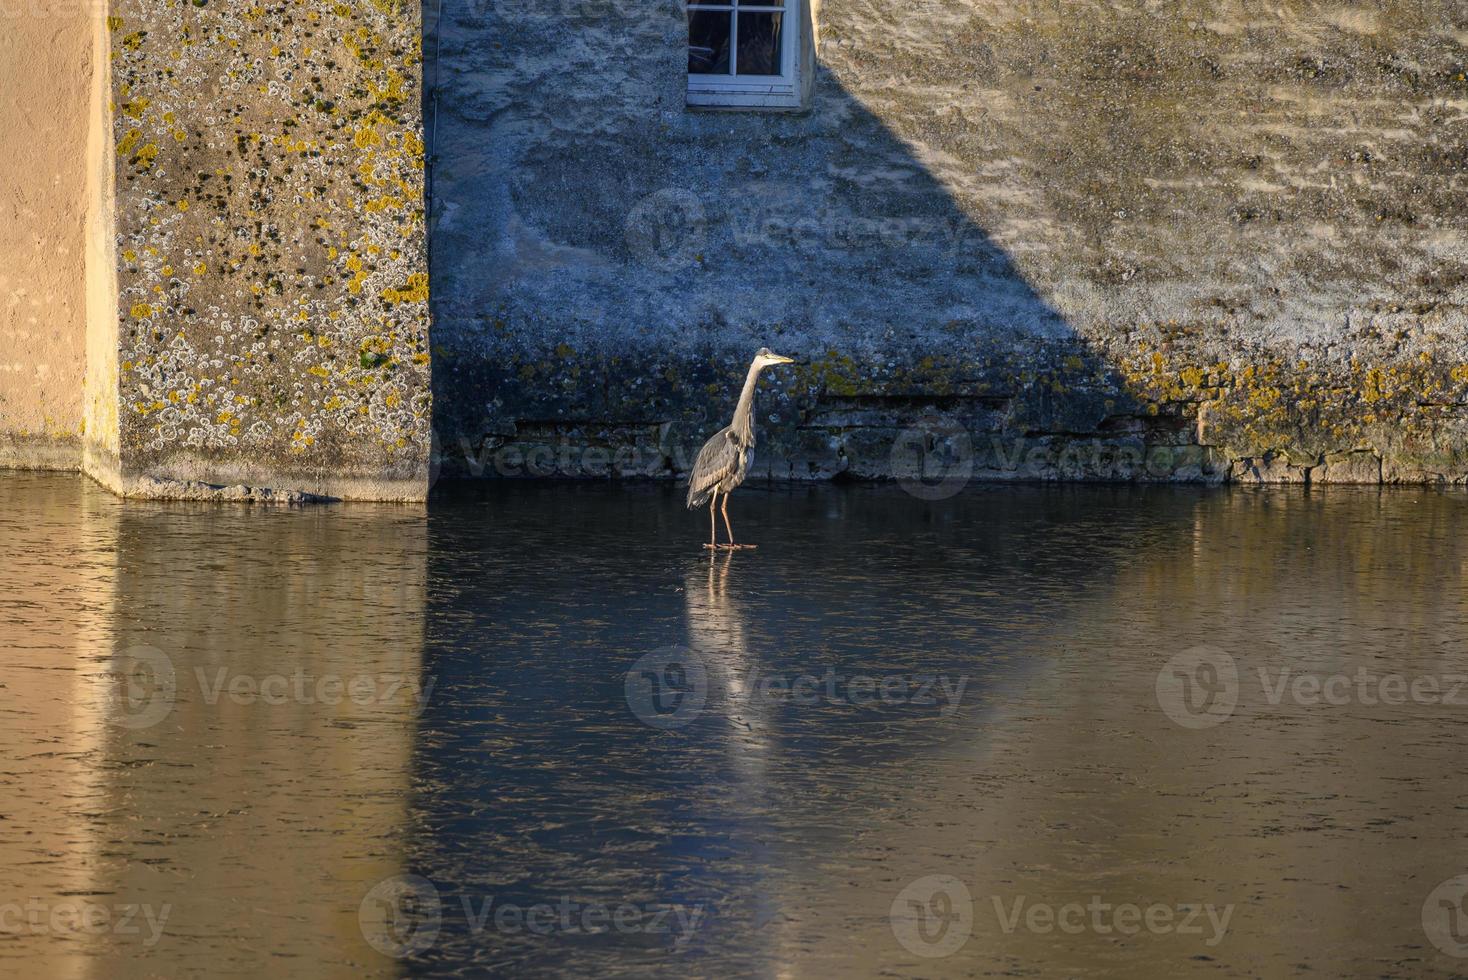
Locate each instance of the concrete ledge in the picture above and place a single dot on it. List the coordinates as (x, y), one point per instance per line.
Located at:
(148, 488)
(19, 452)
(188, 478)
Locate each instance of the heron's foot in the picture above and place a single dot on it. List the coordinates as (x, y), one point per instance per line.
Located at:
(713, 547)
(738, 547)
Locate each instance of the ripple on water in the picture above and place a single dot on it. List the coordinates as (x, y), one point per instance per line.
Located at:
(491, 746)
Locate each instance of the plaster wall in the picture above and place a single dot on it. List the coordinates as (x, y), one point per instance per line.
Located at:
(45, 84)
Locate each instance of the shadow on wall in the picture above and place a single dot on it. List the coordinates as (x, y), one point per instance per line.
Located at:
(605, 261)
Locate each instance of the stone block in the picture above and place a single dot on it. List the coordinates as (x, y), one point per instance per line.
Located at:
(259, 267)
(1352, 467)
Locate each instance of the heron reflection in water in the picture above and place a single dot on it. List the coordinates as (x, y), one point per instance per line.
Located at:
(718, 630)
(724, 460)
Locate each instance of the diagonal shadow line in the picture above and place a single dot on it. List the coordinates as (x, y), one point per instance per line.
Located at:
(595, 280)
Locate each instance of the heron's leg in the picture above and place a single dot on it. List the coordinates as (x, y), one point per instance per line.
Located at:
(725, 511)
(713, 526)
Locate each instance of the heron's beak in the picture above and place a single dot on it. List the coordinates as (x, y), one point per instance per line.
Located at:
(781, 359)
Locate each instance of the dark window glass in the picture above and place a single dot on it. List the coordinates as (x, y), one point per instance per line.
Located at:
(759, 43)
(708, 42)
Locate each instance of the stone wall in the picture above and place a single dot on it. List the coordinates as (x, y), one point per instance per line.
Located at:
(1204, 240)
(271, 299)
(1201, 240)
(45, 78)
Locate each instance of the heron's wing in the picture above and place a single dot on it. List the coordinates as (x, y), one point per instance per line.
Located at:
(717, 461)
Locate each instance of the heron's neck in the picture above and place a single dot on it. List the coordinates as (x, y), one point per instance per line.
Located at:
(743, 424)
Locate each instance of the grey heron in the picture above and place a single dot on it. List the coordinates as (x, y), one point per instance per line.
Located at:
(724, 459)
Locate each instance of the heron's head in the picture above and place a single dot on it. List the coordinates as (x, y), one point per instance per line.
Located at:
(766, 358)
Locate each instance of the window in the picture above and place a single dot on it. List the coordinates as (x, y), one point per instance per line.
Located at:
(746, 53)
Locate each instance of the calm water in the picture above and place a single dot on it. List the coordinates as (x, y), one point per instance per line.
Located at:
(538, 731)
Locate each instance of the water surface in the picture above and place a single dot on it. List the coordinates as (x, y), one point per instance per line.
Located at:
(346, 740)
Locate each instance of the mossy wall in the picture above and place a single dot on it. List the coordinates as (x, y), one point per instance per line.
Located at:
(1199, 240)
(270, 248)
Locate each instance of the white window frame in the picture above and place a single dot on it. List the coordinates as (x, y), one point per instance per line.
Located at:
(786, 90)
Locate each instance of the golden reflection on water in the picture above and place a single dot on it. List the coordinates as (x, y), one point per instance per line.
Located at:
(238, 832)
(1313, 830)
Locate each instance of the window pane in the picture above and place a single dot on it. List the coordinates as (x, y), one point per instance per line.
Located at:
(759, 44)
(708, 42)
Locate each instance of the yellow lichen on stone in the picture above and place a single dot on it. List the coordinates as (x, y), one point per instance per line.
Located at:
(416, 291)
(129, 140)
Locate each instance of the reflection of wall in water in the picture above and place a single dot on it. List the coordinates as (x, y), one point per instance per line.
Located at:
(260, 825)
(55, 631)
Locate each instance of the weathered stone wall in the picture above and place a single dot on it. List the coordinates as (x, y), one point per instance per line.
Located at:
(45, 81)
(271, 298)
(1136, 240)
